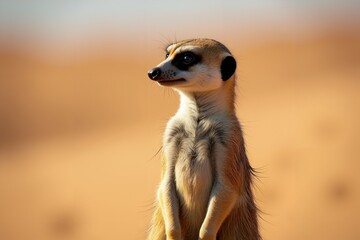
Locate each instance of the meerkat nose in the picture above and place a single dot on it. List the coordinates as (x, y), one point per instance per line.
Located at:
(154, 73)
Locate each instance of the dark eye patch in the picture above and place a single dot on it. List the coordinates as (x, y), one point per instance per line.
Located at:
(185, 60)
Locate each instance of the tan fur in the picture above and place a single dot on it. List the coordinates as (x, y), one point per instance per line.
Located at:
(229, 212)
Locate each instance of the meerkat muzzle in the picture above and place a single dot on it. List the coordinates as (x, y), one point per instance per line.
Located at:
(154, 74)
(171, 82)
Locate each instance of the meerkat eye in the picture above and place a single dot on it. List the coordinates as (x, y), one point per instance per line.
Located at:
(188, 58)
(167, 55)
(185, 60)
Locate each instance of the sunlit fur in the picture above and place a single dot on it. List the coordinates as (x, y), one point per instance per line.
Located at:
(205, 190)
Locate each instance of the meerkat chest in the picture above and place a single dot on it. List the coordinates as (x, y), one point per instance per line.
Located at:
(193, 149)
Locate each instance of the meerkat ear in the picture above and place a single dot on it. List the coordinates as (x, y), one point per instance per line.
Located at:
(228, 67)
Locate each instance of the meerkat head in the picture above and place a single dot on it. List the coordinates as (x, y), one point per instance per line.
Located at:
(195, 65)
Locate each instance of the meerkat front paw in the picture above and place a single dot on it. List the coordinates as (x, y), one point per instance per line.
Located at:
(207, 237)
(173, 234)
(207, 234)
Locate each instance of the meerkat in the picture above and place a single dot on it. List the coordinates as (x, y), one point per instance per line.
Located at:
(206, 178)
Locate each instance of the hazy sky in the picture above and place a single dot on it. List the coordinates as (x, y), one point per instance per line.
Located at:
(69, 20)
(85, 13)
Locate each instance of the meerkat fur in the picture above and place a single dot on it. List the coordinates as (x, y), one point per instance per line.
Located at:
(206, 179)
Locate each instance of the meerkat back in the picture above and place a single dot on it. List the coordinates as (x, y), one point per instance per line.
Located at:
(205, 190)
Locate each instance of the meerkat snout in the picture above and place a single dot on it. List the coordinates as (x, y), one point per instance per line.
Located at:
(154, 73)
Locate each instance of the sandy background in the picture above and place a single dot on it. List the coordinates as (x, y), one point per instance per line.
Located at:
(80, 123)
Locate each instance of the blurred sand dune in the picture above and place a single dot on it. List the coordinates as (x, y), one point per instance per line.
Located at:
(78, 136)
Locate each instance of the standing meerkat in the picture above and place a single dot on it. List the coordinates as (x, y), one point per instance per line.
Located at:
(205, 190)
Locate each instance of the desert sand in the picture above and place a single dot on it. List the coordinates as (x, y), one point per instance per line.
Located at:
(79, 138)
